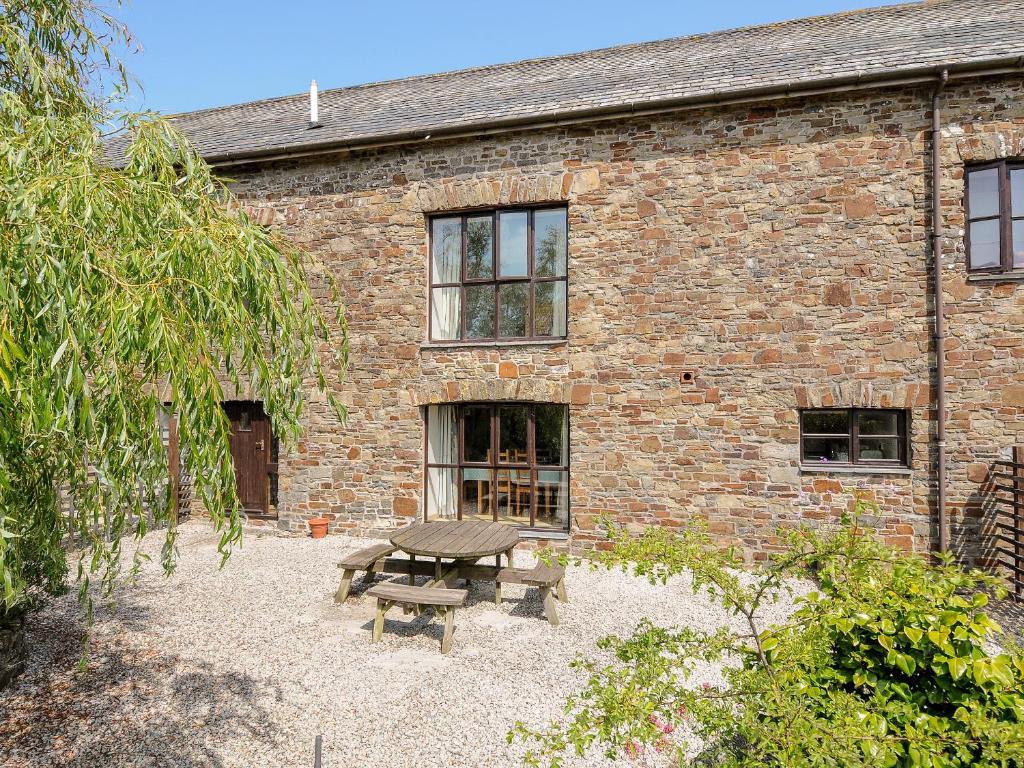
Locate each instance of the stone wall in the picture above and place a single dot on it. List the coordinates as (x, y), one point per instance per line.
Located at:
(726, 267)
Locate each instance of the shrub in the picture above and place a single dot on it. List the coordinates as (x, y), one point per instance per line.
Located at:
(891, 661)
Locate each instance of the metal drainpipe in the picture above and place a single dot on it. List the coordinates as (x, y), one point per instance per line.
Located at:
(940, 320)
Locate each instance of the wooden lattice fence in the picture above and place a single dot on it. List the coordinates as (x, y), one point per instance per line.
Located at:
(1008, 524)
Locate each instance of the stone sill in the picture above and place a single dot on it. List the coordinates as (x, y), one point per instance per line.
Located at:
(1016, 276)
(429, 345)
(856, 470)
(539, 533)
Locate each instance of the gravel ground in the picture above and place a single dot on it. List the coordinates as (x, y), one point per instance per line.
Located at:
(1010, 614)
(245, 666)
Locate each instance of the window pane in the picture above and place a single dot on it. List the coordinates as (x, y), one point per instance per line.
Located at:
(826, 449)
(442, 436)
(549, 309)
(513, 496)
(1018, 243)
(549, 243)
(479, 311)
(552, 435)
(879, 449)
(515, 309)
(512, 245)
(446, 249)
(476, 426)
(985, 244)
(479, 248)
(826, 422)
(552, 499)
(441, 489)
(477, 495)
(512, 434)
(983, 199)
(878, 423)
(1017, 192)
(445, 314)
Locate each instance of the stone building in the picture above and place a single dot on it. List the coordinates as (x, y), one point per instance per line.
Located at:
(689, 277)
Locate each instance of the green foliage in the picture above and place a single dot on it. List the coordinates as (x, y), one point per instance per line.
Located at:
(124, 286)
(891, 661)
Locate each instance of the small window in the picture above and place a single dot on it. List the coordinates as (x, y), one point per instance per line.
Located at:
(502, 462)
(497, 275)
(853, 437)
(995, 217)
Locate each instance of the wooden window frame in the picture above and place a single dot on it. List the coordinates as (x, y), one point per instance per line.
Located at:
(1005, 215)
(496, 465)
(496, 281)
(853, 438)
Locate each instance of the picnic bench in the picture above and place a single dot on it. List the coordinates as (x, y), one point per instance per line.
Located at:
(454, 546)
(439, 598)
(548, 579)
(363, 560)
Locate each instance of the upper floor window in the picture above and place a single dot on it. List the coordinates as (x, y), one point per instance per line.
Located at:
(995, 217)
(854, 436)
(497, 275)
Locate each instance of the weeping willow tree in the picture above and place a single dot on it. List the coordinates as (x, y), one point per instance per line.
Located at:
(125, 285)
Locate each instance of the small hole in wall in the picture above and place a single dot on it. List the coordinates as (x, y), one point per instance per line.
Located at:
(686, 377)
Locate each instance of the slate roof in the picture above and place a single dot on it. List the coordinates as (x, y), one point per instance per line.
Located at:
(876, 43)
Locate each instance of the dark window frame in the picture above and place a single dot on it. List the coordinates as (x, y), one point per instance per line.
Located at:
(1004, 216)
(853, 437)
(496, 280)
(496, 465)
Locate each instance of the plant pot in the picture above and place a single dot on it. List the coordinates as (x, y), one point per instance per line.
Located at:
(318, 527)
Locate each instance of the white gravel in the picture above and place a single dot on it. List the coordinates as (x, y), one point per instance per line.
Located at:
(244, 666)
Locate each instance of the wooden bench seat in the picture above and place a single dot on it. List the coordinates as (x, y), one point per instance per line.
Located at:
(549, 579)
(439, 598)
(361, 560)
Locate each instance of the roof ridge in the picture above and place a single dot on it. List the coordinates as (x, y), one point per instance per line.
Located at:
(497, 66)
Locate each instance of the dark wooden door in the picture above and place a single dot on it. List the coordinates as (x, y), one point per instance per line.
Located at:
(250, 449)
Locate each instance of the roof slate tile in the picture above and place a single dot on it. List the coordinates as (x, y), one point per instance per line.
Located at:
(871, 43)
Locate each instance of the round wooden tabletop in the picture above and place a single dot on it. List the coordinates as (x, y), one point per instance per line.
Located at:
(456, 539)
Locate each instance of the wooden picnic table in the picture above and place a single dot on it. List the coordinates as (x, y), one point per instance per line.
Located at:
(462, 542)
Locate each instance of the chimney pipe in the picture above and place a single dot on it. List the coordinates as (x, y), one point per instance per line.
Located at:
(314, 106)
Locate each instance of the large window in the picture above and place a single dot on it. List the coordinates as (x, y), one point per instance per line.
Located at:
(853, 437)
(498, 275)
(507, 462)
(995, 217)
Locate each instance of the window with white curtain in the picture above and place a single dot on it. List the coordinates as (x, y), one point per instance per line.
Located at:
(504, 462)
(499, 275)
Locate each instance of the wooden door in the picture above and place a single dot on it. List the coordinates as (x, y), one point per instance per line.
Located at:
(250, 449)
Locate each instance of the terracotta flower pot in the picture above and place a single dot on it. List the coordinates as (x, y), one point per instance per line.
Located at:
(318, 527)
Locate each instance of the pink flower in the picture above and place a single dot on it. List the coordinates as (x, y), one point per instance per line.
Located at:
(682, 711)
(662, 744)
(633, 749)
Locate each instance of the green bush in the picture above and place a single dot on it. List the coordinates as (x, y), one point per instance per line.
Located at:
(890, 661)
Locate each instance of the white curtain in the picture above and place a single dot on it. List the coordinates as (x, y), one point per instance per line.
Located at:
(441, 449)
(446, 250)
(562, 513)
(559, 300)
(446, 267)
(445, 316)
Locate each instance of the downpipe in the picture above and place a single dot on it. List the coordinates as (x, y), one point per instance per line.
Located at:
(940, 319)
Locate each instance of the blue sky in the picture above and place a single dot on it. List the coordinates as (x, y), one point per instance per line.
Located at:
(207, 53)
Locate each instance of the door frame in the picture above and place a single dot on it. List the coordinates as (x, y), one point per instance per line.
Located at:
(269, 466)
